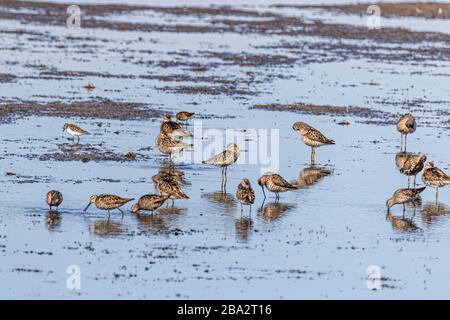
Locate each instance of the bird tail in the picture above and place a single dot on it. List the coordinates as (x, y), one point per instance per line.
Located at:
(330, 141)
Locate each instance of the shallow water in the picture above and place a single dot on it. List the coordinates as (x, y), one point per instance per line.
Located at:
(316, 243)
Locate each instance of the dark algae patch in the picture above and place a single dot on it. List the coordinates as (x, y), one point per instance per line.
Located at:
(306, 108)
(87, 153)
(89, 109)
(430, 10)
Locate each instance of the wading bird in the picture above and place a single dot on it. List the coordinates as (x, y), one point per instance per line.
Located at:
(54, 198)
(223, 160)
(435, 177)
(245, 194)
(75, 131)
(274, 183)
(406, 125)
(108, 202)
(311, 137)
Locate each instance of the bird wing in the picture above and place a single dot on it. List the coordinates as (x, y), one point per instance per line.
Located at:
(281, 182)
(316, 135)
(217, 159)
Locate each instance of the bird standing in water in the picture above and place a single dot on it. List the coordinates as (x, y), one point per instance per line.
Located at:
(223, 160)
(274, 183)
(184, 116)
(108, 202)
(74, 130)
(412, 165)
(311, 137)
(245, 194)
(149, 202)
(406, 125)
(402, 196)
(54, 198)
(435, 177)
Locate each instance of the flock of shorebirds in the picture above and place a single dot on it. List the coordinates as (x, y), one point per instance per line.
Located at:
(167, 182)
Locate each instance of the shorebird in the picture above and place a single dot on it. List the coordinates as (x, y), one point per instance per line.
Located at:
(167, 187)
(435, 177)
(245, 194)
(184, 116)
(311, 137)
(402, 196)
(74, 130)
(224, 159)
(173, 129)
(412, 165)
(108, 202)
(310, 176)
(149, 202)
(170, 146)
(54, 198)
(406, 125)
(274, 183)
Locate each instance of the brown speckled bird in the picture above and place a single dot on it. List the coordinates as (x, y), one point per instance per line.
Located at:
(274, 183)
(184, 116)
(172, 129)
(170, 146)
(74, 130)
(54, 198)
(311, 137)
(245, 194)
(224, 159)
(169, 187)
(412, 165)
(402, 196)
(108, 202)
(406, 125)
(435, 177)
(149, 202)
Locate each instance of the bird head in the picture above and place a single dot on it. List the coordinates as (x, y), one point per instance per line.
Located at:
(92, 200)
(300, 126)
(389, 203)
(66, 125)
(245, 182)
(167, 118)
(135, 208)
(428, 165)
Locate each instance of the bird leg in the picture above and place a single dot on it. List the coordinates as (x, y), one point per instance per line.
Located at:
(406, 136)
(437, 194)
(404, 209)
(401, 142)
(223, 173)
(313, 154)
(408, 181)
(241, 210)
(415, 181)
(225, 181)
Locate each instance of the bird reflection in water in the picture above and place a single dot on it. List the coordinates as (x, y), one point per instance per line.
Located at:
(106, 228)
(432, 211)
(53, 220)
(274, 210)
(150, 222)
(225, 201)
(310, 176)
(401, 223)
(243, 227)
